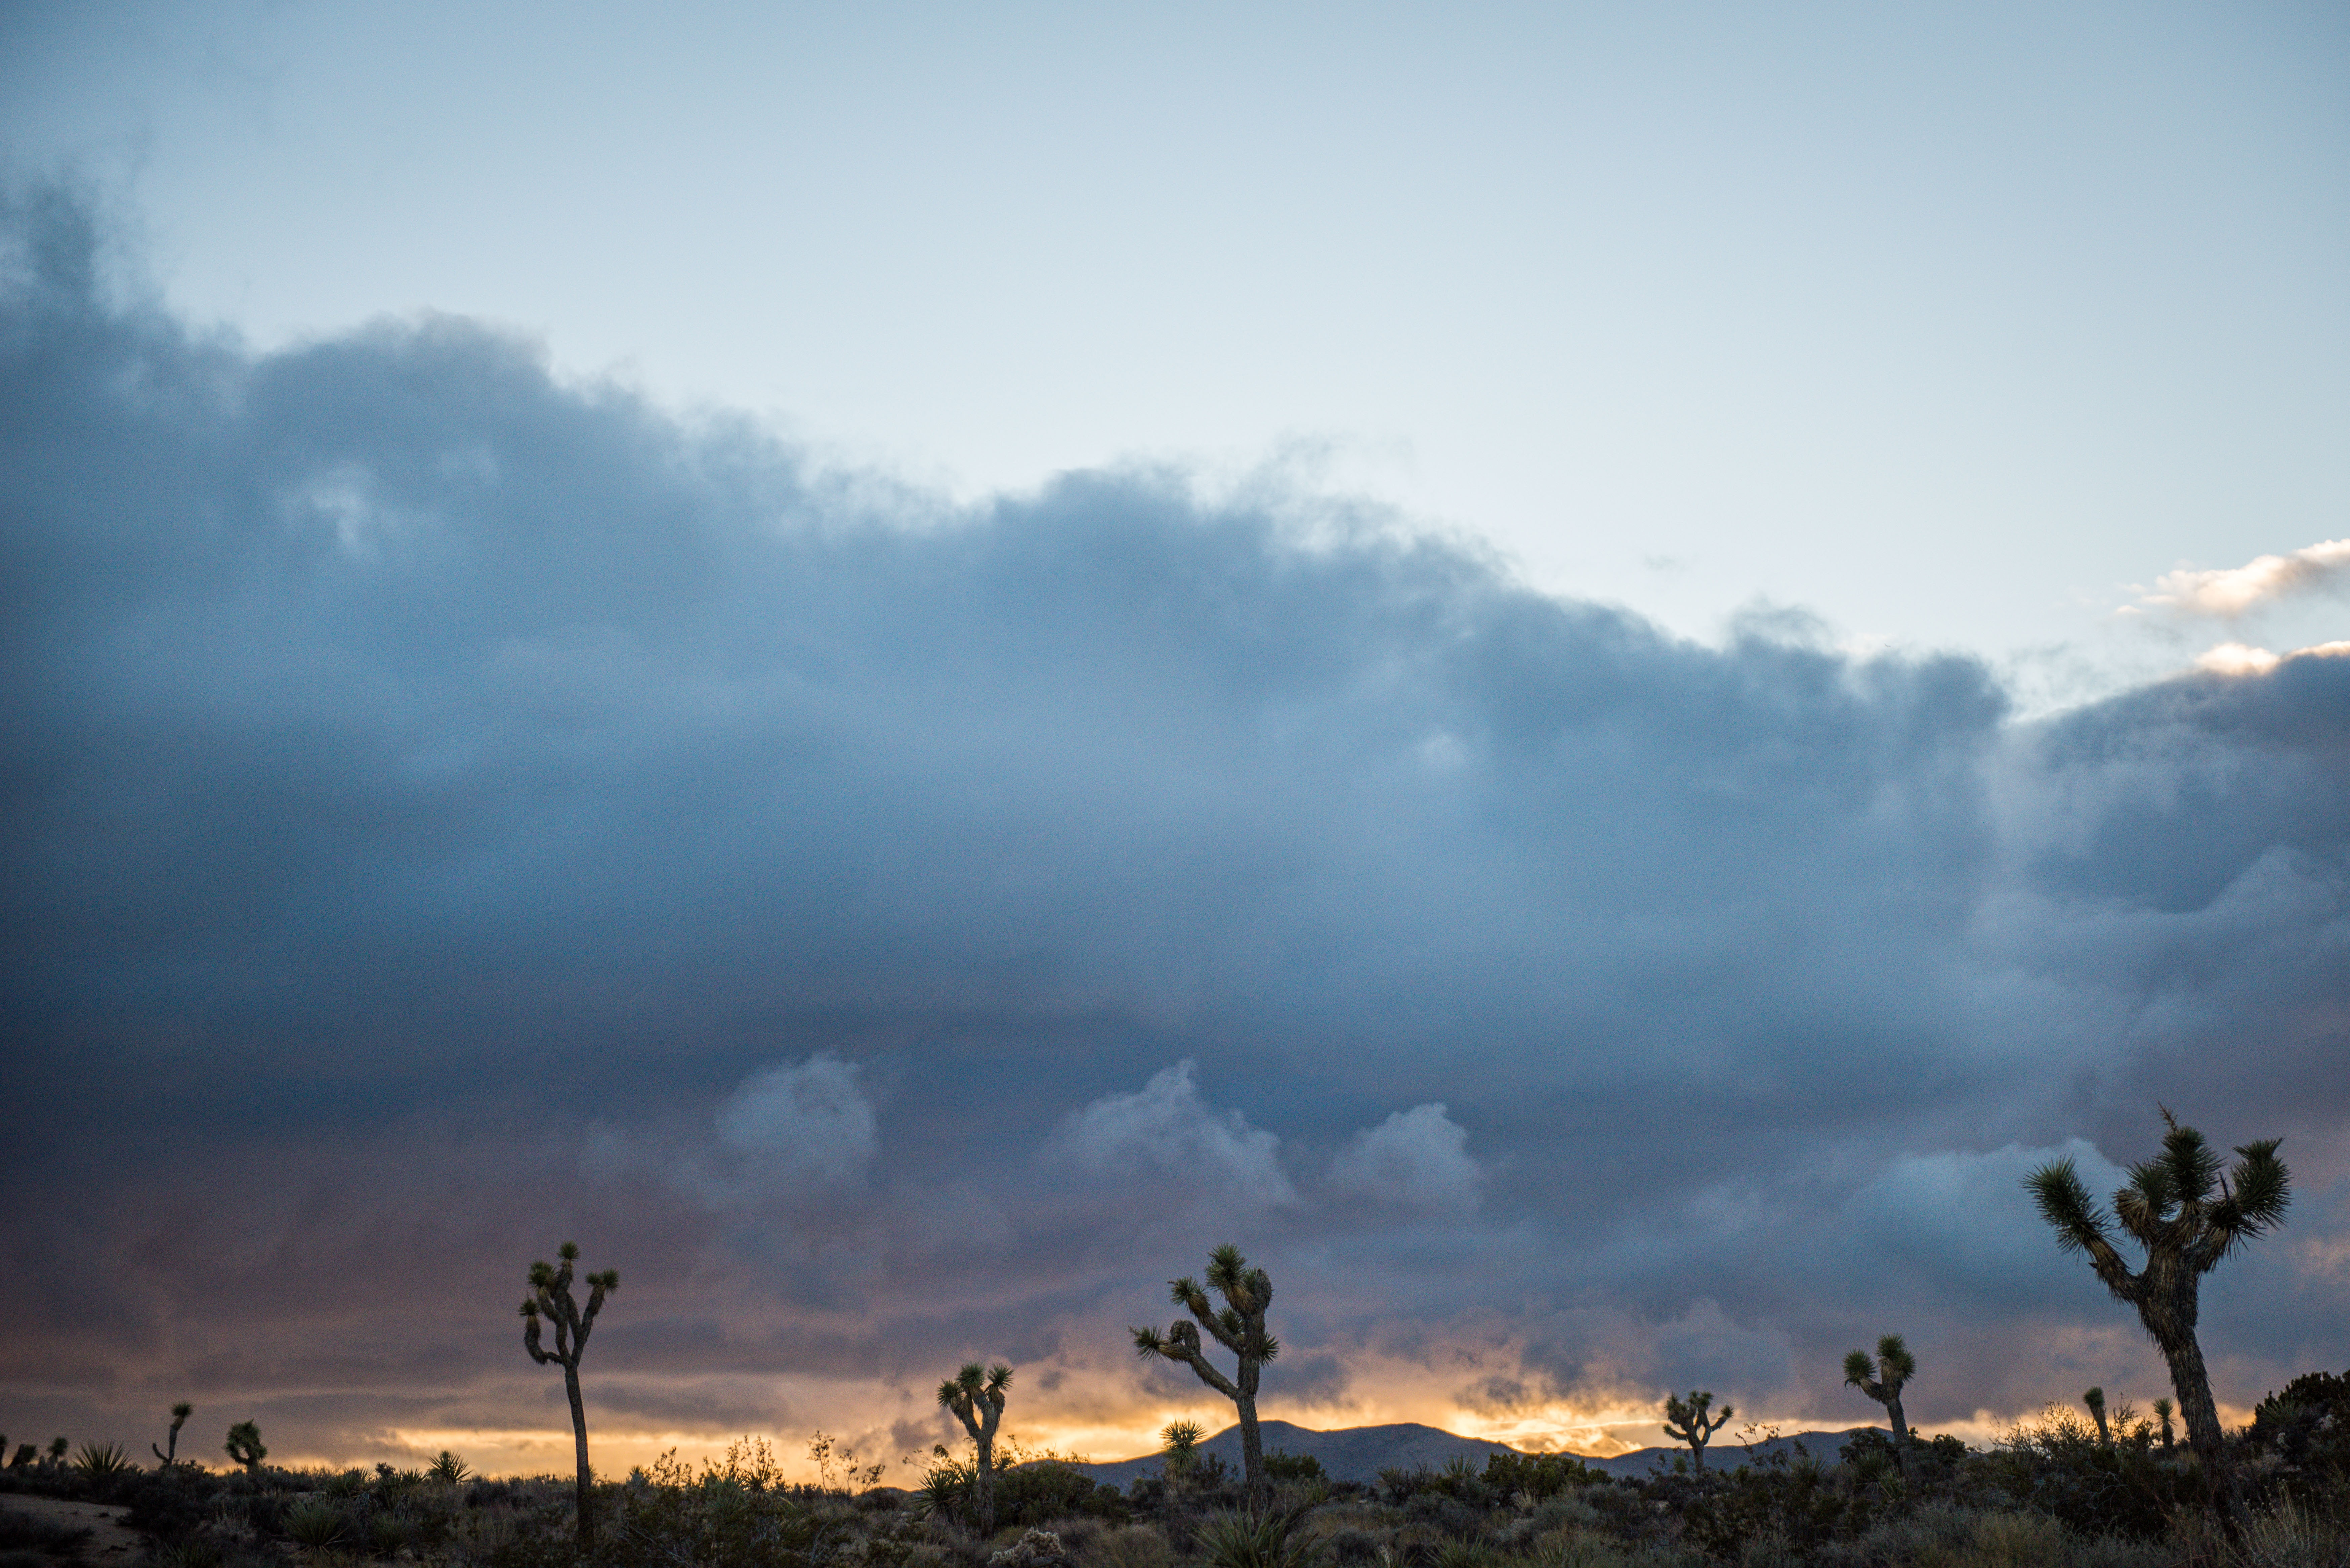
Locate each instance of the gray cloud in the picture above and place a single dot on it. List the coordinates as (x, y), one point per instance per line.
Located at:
(444, 805)
(1417, 1158)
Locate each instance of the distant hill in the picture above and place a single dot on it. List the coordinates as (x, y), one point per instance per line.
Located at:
(1360, 1453)
(1356, 1453)
(1722, 1455)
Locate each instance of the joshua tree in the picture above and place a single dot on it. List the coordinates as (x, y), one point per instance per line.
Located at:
(2162, 1408)
(448, 1467)
(1239, 1328)
(976, 1397)
(180, 1414)
(2186, 1215)
(1883, 1380)
(550, 1299)
(2095, 1400)
(1686, 1421)
(245, 1445)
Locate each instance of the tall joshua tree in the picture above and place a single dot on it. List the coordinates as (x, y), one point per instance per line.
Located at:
(1883, 1380)
(2095, 1400)
(1686, 1421)
(180, 1414)
(976, 1397)
(1239, 1326)
(2186, 1215)
(550, 1301)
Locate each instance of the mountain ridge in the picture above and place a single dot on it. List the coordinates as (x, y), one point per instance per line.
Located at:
(1360, 1453)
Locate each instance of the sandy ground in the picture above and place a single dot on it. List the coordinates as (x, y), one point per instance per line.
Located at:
(109, 1542)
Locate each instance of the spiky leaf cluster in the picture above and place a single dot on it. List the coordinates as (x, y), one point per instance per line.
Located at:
(2178, 1204)
(1237, 1324)
(551, 1301)
(974, 1393)
(1883, 1378)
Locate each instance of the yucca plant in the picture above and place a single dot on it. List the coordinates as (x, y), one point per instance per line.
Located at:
(550, 1301)
(1239, 1328)
(1883, 1380)
(1686, 1421)
(1180, 1441)
(448, 1467)
(388, 1531)
(99, 1463)
(316, 1524)
(180, 1414)
(1264, 1538)
(2186, 1215)
(976, 1397)
(2162, 1409)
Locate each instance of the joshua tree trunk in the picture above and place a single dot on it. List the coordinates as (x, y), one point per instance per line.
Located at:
(983, 1483)
(1252, 1441)
(2196, 1406)
(1900, 1426)
(579, 1446)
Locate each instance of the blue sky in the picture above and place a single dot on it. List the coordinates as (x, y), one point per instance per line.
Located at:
(1581, 679)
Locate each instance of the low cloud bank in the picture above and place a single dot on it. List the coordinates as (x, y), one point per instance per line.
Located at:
(450, 811)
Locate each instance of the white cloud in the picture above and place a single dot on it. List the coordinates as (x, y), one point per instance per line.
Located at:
(2230, 591)
(808, 1119)
(1166, 1127)
(2241, 658)
(1417, 1158)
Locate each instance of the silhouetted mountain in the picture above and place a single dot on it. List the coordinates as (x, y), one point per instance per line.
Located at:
(1360, 1453)
(1729, 1455)
(1356, 1453)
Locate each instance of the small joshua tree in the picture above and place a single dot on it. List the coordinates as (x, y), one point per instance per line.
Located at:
(550, 1300)
(1239, 1328)
(976, 1397)
(2162, 1408)
(245, 1445)
(2095, 1400)
(180, 1414)
(1181, 1441)
(1883, 1380)
(2186, 1215)
(1686, 1421)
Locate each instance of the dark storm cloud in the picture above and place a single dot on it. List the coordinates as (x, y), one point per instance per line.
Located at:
(448, 808)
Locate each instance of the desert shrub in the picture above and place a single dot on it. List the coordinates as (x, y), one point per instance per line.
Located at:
(2055, 1466)
(2306, 1426)
(1349, 1546)
(23, 1532)
(171, 1504)
(1445, 1514)
(718, 1517)
(1539, 1476)
(1283, 1466)
(1132, 1546)
(1032, 1494)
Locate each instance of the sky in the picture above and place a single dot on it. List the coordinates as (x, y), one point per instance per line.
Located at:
(1581, 676)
